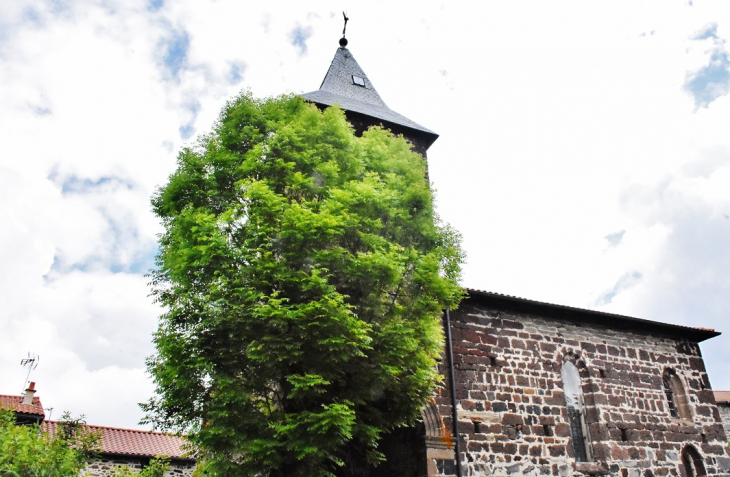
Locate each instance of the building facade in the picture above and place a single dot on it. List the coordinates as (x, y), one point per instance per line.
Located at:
(543, 389)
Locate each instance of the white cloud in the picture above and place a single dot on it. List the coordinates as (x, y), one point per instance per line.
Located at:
(299, 36)
(675, 248)
(712, 80)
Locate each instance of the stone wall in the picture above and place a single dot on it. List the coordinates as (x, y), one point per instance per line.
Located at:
(103, 466)
(512, 417)
(724, 408)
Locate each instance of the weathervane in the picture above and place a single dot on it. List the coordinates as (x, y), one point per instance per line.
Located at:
(343, 40)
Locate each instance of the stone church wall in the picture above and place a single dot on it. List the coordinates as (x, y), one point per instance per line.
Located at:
(512, 415)
(104, 466)
(725, 415)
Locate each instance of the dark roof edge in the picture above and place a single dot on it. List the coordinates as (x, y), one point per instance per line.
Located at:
(35, 416)
(395, 127)
(428, 137)
(145, 456)
(352, 105)
(569, 313)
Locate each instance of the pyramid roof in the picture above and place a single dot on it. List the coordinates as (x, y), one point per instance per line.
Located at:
(347, 85)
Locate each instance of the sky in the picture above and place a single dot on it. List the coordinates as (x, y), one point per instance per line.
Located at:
(584, 154)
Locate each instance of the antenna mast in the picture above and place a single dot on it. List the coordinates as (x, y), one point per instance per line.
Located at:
(31, 362)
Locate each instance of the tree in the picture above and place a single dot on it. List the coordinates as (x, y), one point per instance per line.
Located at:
(25, 451)
(303, 272)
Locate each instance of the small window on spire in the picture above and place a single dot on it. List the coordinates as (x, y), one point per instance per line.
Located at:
(358, 81)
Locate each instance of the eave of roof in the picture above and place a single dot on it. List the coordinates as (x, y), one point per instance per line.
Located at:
(327, 98)
(611, 320)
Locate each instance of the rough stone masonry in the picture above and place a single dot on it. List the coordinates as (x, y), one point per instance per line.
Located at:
(509, 356)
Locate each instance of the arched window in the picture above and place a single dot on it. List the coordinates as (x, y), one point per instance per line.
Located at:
(576, 412)
(677, 399)
(692, 461)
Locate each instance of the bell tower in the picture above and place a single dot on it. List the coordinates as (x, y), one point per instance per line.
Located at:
(407, 449)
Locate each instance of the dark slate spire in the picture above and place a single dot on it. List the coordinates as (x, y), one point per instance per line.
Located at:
(347, 85)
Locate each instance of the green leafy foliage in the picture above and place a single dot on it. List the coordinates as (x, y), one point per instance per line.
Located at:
(25, 451)
(156, 468)
(303, 272)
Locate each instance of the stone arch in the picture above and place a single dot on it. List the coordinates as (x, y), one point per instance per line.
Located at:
(437, 436)
(677, 399)
(577, 359)
(575, 406)
(432, 421)
(692, 462)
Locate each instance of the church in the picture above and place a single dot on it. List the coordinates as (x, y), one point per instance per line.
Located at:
(539, 389)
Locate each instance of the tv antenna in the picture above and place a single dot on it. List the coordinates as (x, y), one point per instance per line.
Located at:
(31, 362)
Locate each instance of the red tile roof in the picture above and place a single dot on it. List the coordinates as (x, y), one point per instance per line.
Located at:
(722, 396)
(14, 403)
(134, 442)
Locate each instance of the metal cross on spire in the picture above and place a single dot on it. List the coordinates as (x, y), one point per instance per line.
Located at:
(343, 40)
